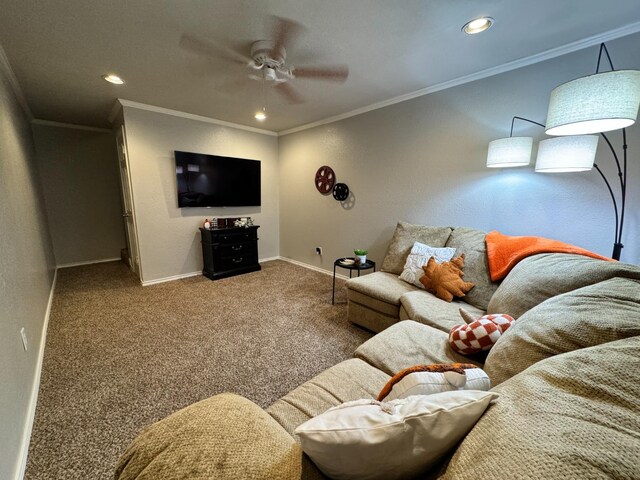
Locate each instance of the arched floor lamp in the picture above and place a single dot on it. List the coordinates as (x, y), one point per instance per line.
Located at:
(596, 103)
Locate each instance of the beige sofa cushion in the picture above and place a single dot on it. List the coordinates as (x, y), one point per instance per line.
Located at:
(404, 237)
(225, 437)
(570, 416)
(585, 317)
(471, 242)
(406, 344)
(543, 276)
(349, 380)
(430, 310)
(386, 287)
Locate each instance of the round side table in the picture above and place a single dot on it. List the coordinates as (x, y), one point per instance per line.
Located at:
(351, 267)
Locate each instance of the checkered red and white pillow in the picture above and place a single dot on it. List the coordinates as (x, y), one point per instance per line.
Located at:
(478, 335)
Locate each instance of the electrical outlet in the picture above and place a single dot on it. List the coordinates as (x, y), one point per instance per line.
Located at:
(23, 335)
(319, 250)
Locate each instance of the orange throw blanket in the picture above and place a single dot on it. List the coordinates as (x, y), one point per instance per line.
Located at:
(504, 251)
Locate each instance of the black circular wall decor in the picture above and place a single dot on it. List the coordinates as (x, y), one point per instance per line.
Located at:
(325, 179)
(340, 191)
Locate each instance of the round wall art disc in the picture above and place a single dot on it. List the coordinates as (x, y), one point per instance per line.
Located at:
(325, 179)
(340, 192)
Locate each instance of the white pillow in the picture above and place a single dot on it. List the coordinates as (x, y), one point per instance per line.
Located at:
(419, 256)
(428, 383)
(366, 439)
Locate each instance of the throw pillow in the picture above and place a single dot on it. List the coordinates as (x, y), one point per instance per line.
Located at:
(588, 316)
(471, 242)
(444, 280)
(418, 258)
(392, 440)
(478, 335)
(404, 237)
(430, 379)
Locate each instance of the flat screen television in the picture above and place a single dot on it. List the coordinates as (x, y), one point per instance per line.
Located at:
(214, 181)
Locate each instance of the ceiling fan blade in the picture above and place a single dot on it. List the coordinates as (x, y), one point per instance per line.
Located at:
(335, 73)
(285, 31)
(290, 94)
(210, 49)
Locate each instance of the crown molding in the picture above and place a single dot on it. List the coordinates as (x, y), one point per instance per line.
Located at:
(189, 116)
(5, 65)
(50, 123)
(115, 110)
(489, 72)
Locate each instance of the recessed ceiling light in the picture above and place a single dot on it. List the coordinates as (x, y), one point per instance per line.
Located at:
(477, 25)
(111, 78)
(260, 116)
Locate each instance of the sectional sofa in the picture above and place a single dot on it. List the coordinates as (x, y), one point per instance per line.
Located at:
(566, 371)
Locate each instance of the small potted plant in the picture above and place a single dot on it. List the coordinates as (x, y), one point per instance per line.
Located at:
(361, 255)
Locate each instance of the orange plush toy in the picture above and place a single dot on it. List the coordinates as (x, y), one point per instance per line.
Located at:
(444, 280)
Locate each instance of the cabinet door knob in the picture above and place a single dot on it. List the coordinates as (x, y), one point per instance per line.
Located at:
(237, 260)
(236, 247)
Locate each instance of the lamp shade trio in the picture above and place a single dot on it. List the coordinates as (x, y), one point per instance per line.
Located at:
(577, 110)
(597, 103)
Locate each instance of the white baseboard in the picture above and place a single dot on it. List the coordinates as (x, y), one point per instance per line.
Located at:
(146, 283)
(89, 262)
(314, 268)
(33, 400)
(268, 259)
(192, 274)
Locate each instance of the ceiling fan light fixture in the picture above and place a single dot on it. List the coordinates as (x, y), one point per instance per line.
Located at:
(260, 115)
(477, 25)
(112, 78)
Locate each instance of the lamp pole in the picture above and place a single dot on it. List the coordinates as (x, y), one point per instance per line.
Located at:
(622, 172)
(622, 175)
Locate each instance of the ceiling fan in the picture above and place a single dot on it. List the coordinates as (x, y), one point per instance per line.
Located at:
(266, 61)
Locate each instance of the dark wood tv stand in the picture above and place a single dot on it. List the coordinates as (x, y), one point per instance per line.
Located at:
(229, 251)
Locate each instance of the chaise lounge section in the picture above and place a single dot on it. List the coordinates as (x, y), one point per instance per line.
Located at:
(378, 300)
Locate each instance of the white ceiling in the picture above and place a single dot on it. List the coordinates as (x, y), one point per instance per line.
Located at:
(59, 50)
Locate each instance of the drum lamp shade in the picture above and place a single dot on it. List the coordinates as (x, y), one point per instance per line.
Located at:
(574, 153)
(595, 103)
(510, 152)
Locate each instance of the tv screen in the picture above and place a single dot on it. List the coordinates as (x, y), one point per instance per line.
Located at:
(213, 181)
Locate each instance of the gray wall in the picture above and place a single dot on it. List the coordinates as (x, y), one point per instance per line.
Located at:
(423, 161)
(80, 179)
(26, 274)
(168, 236)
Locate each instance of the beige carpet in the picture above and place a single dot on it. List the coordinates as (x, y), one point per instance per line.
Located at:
(119, 356)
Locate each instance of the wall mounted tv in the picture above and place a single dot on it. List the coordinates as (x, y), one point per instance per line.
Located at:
(214, 181)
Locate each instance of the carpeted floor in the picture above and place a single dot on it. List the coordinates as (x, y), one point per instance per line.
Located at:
(119, 356)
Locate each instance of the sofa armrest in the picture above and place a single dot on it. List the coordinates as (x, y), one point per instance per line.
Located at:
(409, 343)
(223, 437)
